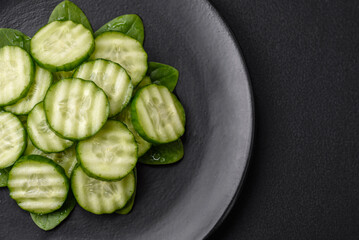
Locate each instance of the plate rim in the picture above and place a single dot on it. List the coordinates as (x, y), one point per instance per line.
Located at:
(239, 187)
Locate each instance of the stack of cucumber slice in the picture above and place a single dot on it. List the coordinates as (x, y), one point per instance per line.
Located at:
(78, 111)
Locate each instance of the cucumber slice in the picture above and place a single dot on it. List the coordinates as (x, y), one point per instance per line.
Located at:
(157, 115)
(75, 108)
(112, 78)
(36, 94)
(37, 184)
(129, 205)
(62, 75)
(41, 134)
(163, 74)
(16, 74)
(101, 197)
(125, 117)
(4, 175)
(66, 159)
(62, 45)
(109, 155)
(51, 220)
(124, 50)
(163, 154)
(12, 139)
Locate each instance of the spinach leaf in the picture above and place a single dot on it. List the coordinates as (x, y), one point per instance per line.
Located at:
(4, 174)
(51, 220)
(129, 205)
(163, 154)
(130, 24)
(163, 74)
(67, 10)
(14, 37)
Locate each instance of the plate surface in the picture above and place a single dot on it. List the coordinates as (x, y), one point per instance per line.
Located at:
(188, 199)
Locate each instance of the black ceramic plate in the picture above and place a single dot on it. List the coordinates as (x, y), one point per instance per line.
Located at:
(186, 200)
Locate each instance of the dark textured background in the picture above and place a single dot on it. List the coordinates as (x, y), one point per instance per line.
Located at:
(303, 179)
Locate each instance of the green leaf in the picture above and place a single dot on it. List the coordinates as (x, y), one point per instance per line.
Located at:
(163, 154)
(67, 10)
(12, 37)
(51, 220)
(129, 205)
(130, 24)
(163, 74)
(4, 174)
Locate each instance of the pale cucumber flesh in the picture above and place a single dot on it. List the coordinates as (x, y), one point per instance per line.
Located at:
(76, 109)
(109, 155)
(41, 134)
(101, 197)
(157, 115)
(37, 184)
(12, 139)
(111, 78)
(124, 50)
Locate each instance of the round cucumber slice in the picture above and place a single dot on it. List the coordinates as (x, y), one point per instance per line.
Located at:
(101, 197)
(112, 78)
(36, 93)
(12, 139)
(157, 115)
(16, 74)
(62, 45)
(41, 134)
(75, 108)
(37, 184)
(109, 155)
(125, 117)
(124, 50)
